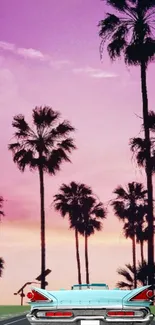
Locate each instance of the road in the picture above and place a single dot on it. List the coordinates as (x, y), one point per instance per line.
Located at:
(18, 320)
(21, 320)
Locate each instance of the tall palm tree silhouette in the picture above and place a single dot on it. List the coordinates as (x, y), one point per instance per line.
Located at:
(43, 147)
(141, 237)
(1, 266)
(93, 212)
(130, 31)
(127, 207)
(68, 202)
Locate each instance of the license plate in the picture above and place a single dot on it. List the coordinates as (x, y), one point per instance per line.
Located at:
(90, 322)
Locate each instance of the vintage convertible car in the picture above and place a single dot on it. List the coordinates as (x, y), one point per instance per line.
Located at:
(95, 304)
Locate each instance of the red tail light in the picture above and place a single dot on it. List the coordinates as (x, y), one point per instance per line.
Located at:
(36, 296)
(144, 295)
(58, 314)
(120, 313)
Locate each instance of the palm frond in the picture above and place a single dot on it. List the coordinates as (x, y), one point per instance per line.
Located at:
(151, 121)
(62, 129)
(130, 267)
(119, 5)
(44, 117)
(125, 274)
(67, 145)
(129, 229)
(99, 211)
(124, 285)
(25, 158)
(119, 209)
(138, 147)
(136, 53)
(121, 193)
(145, 5)
(55, 159)
(108, 25)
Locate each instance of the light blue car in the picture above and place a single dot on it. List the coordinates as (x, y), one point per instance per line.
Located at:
(93, 304)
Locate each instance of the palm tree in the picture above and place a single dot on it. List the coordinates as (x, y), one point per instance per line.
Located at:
(43, 147)
(1, 266)
(143, 272)
(1, 207)
(131, 32)
(93, 212)
(127, 207)
(84, 212)
(141, 237)
(128, 275)
(68, 202)
(138, 145)
(129, 230)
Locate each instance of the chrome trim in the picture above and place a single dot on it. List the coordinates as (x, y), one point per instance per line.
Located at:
(146, 320)
(67, 319)
(106, 307)
(76, 307)
(125, 316)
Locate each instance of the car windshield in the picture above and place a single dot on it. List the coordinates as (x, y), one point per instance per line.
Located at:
(93, 286)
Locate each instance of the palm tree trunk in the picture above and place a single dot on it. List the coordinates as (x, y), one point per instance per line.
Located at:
(142, 251)
(78, 256)
(148, 174)
(42, 215)
(134, 260)
(86, 260)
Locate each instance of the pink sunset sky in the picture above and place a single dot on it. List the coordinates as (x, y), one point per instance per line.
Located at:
(49, 55)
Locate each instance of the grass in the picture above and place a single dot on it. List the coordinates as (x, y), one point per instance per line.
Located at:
(152, 309)
(13, 310)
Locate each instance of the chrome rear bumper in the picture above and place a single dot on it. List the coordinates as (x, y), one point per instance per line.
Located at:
(76, 320)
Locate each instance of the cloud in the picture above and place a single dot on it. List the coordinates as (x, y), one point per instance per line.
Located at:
(59, 63)
(7, 46)
(32, 54)
(94, 73)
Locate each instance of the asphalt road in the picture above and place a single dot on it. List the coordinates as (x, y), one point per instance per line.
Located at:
(21, 320)
(18, 320)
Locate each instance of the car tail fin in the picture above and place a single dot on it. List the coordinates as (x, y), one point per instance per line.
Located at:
(142, 294)
(38, 295)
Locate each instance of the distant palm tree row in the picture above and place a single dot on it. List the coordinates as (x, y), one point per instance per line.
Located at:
(43, 146)
(85, 215)
(128, 31)
(130, 206)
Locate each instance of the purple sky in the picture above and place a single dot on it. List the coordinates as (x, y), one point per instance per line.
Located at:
(49, 54)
